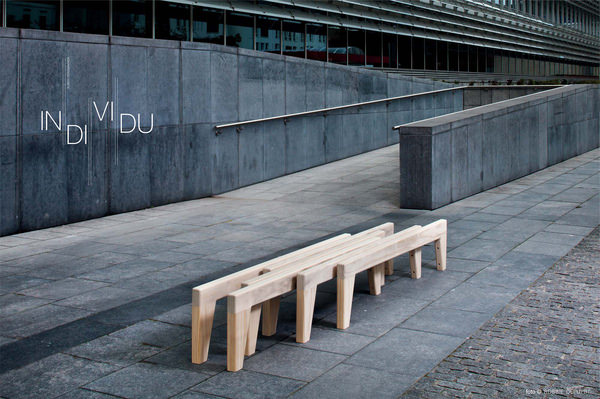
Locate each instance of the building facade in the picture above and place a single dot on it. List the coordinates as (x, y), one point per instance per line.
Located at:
(536, 38)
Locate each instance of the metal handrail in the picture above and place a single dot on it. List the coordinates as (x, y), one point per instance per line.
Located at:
(339, 107)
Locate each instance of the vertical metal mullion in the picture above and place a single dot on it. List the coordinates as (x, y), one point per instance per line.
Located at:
(191, 24)
(60, 16)
(154, 19)
(3, 13)
(224, 28)
(365, 42)
(110, 17)
(305, 40)
(281, 36)
(347, 55)
(254, 32)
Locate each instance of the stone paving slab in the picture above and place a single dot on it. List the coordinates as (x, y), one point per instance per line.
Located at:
(137, 320)
(544, 343)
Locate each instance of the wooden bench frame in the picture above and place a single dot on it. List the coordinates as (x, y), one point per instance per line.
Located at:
(308, 280)
(388, 248)
(205, 296)
(244, 305)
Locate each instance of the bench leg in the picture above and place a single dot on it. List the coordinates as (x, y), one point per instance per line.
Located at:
(269, 318)
(440, 252)
(376, 279)
(237, 331)
(345, 291)
(253, 330)
(415, 263)
(305, 307)
(202, 319)
(389, 267)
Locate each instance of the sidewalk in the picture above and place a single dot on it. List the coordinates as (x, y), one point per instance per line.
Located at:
(102, 306)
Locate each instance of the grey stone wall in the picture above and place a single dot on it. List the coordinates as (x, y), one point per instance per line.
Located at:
(450, 157)
(189, 87)
(477, 96)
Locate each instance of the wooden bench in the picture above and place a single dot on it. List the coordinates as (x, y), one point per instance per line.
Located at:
(204, 297)
(384, 250)
(244, 305)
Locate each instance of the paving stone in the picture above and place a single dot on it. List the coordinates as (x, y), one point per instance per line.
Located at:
(432, 284)
(126, 270)
(536, 345)
(154, 333)
(180, 356)
(293, 362)
(483, 250)
(85, 394)
(523, 225)
(454, 322)
(420, 352)
(113, 350)
(376, 315)
(464, 265)
(476, 298)
(146, 381)
(335, 341)
(537, 247)
(51, 377)
(248, 385)
(207, 247)
(557, 238)
(63, 288)
(195, 395)
(11, 303)
(101, 299)
(15, 282)
(567, 229)
(351, 381)
(39, 319)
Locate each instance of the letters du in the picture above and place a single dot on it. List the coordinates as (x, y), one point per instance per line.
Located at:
(75, 131)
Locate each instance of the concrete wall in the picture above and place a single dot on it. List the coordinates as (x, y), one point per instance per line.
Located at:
(477, 96)
(451, 157)
(189, 87)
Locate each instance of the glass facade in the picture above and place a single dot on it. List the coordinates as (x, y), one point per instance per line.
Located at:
(240, 30)
(172, 21)
(209, 25)
(132, 18)
(330, 43)
(293, 35)
(86, 17)
(316, 42)
(33, 14)
(337, 45)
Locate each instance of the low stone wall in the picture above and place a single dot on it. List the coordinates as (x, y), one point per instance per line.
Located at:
(451, 157)
(189, 88)
(476, 96)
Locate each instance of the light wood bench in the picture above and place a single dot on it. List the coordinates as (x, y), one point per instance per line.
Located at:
(204, 297)
(244, 305)
(384, 250)
(308, 280)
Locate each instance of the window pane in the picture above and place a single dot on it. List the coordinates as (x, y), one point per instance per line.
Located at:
(33, 14)
(430, 54)
(85, 16)
(356, 47)
(452, 56)
(337, 45)
(268, 34)
(316, 42)
(172, 21)
(489, 60)
(442, 56)
(472, 59)
(463, 58)
(293, 38)
(208, 25)
(481, 59)
(404, 52)
(240, 30)
(390, 51)
(132, 18)
(373, 49)
(418, 47)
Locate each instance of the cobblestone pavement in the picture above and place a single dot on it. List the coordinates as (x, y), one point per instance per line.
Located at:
(101, 308)
(545, 343)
